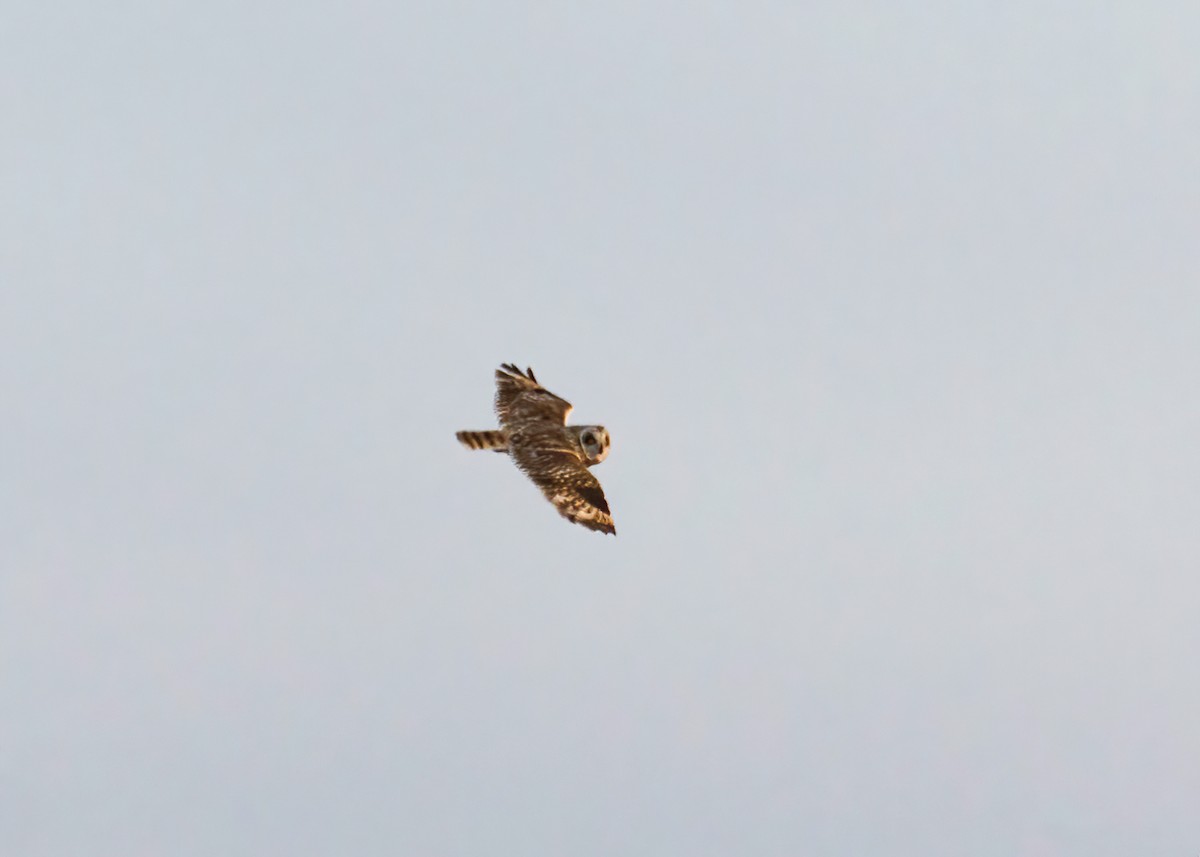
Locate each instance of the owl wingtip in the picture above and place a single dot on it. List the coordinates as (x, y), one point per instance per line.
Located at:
(512, 369)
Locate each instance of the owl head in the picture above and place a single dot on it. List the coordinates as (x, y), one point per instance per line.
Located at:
(595, 442)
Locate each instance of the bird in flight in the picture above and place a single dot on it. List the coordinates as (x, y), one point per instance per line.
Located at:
(534, 432)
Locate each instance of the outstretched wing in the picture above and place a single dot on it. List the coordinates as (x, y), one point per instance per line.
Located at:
(520, 399)
(573, 490)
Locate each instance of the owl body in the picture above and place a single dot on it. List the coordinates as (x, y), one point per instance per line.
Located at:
(555, 456)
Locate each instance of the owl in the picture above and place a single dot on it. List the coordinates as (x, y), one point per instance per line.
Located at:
(534, 432)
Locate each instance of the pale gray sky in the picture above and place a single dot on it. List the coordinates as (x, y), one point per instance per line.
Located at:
(893, 315)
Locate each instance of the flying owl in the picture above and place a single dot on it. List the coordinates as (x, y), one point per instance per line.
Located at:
(534, 432)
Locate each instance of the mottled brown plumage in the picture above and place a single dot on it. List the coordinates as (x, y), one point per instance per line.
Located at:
(554, 455)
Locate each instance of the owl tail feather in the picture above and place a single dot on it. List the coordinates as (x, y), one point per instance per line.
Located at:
(483, 440)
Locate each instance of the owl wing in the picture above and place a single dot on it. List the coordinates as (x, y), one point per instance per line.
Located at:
(570, 486)
(520, 399)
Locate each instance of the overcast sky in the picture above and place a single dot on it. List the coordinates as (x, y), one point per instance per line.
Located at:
(893, 315)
